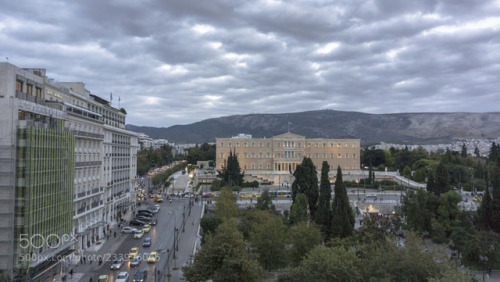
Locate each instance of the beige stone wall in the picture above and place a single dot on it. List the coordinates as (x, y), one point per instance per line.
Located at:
(284, 152)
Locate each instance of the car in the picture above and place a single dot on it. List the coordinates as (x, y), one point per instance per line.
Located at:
(146, 228)
(154, 221)
(103, 278)
(144, 213)
(143, 217)
(127, 229)
(133, 252)
(136, 222)
(156, 209)
(138, 234)
(153, 257)
(207, 195)
(147, 242)
(146, 210)
(135, 261)
(122, 277)
(117, 264)
(140, 276)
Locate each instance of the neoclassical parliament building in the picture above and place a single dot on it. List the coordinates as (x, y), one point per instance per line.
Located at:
(275, 158)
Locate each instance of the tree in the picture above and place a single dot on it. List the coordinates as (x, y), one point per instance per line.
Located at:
(494, 152)
(225, 206)
(266, 238)
(342, 213)
(431, 183)
(231, 172)
(209, 224)
(302, 237)
(326, 264)
(407, 172)
(370, 172)
(489, 211)
(298, 210)
(442, 180)
(464, 151)
(265, 202)
(323, 216)
(419, 175)
(416, 212)
(476, 152)
(306, 182)
(224, 257)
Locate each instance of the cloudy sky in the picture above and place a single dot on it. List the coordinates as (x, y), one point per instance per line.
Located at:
(182, 61)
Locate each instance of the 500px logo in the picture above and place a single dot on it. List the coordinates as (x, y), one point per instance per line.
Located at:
(52, 240)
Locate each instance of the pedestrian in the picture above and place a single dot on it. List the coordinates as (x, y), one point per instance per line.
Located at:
(84, 260)
(71, 273)
(90, 279)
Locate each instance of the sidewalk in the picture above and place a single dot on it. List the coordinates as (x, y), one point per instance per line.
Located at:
(188, 242)
(81, 271)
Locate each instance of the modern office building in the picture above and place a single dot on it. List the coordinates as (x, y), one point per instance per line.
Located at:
(275, 158)
(37, 172)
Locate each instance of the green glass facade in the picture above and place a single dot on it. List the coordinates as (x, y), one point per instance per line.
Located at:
(44, 191)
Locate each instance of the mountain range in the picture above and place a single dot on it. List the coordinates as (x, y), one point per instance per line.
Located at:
(400, 128)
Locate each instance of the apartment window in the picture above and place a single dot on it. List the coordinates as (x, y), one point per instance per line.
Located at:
(29, 89)
(253, 144)
(279, 155)
(338, 145)
(324, 156)
(245, 155)
(253, 155)
(331, 145)
(268, 166)
(309, 144)
(253, 166)
(298, 145)
(260, 155)
(331, 155)
(245, 166)
(300, 155)
(237, 144)
(353, 156)
(260, 144)
(245, 145)
(222, 144)
(229, 144)
(279, 144)
(19, 86)
(324, 145)
(309, 155)
(353, 166)
(238, 155)
(268, 155)
(38, 92)
(346, 155)
(346, 145)
(339, 156)
(316, 145)
(260, 166)
(268, 144)
(317, 155)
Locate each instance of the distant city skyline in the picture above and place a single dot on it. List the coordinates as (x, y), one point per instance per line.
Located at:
(179, 62)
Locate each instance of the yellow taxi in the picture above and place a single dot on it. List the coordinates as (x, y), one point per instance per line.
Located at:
(146, 228)
(477, 198)
(153, 257)
(133, 252)
(103, 278)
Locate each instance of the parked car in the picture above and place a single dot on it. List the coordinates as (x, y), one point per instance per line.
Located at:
(135, 261)
(153, 257)
(127, 229)
(147, 242)
(136, 222)
(140, 276)
(154, 221)
(103, 278)
(146, 228)
(122, 277)
(117, 264)
(138, 234)
(150, 214)
(144, 210)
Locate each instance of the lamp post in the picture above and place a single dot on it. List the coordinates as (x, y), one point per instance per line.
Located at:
(175, 229)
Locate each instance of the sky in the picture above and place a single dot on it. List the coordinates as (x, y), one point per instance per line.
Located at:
(181, 61)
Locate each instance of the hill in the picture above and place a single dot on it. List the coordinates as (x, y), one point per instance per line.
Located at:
(404, 128)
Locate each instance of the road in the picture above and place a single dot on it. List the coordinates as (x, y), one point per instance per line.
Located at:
(162, 236)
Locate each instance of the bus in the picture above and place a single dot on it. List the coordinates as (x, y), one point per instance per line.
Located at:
(282, 194)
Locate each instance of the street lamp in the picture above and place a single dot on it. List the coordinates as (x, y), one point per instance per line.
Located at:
(175, 229)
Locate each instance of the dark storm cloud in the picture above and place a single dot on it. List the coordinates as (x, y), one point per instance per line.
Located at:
(177, 62)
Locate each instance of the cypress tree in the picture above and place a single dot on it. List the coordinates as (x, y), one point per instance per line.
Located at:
(325, 191)
(342, 213)
(442, 180)
(306, 182)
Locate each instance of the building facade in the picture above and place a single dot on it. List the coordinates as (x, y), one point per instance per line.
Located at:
(37, 171)
(275, 158)
(67, 170)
